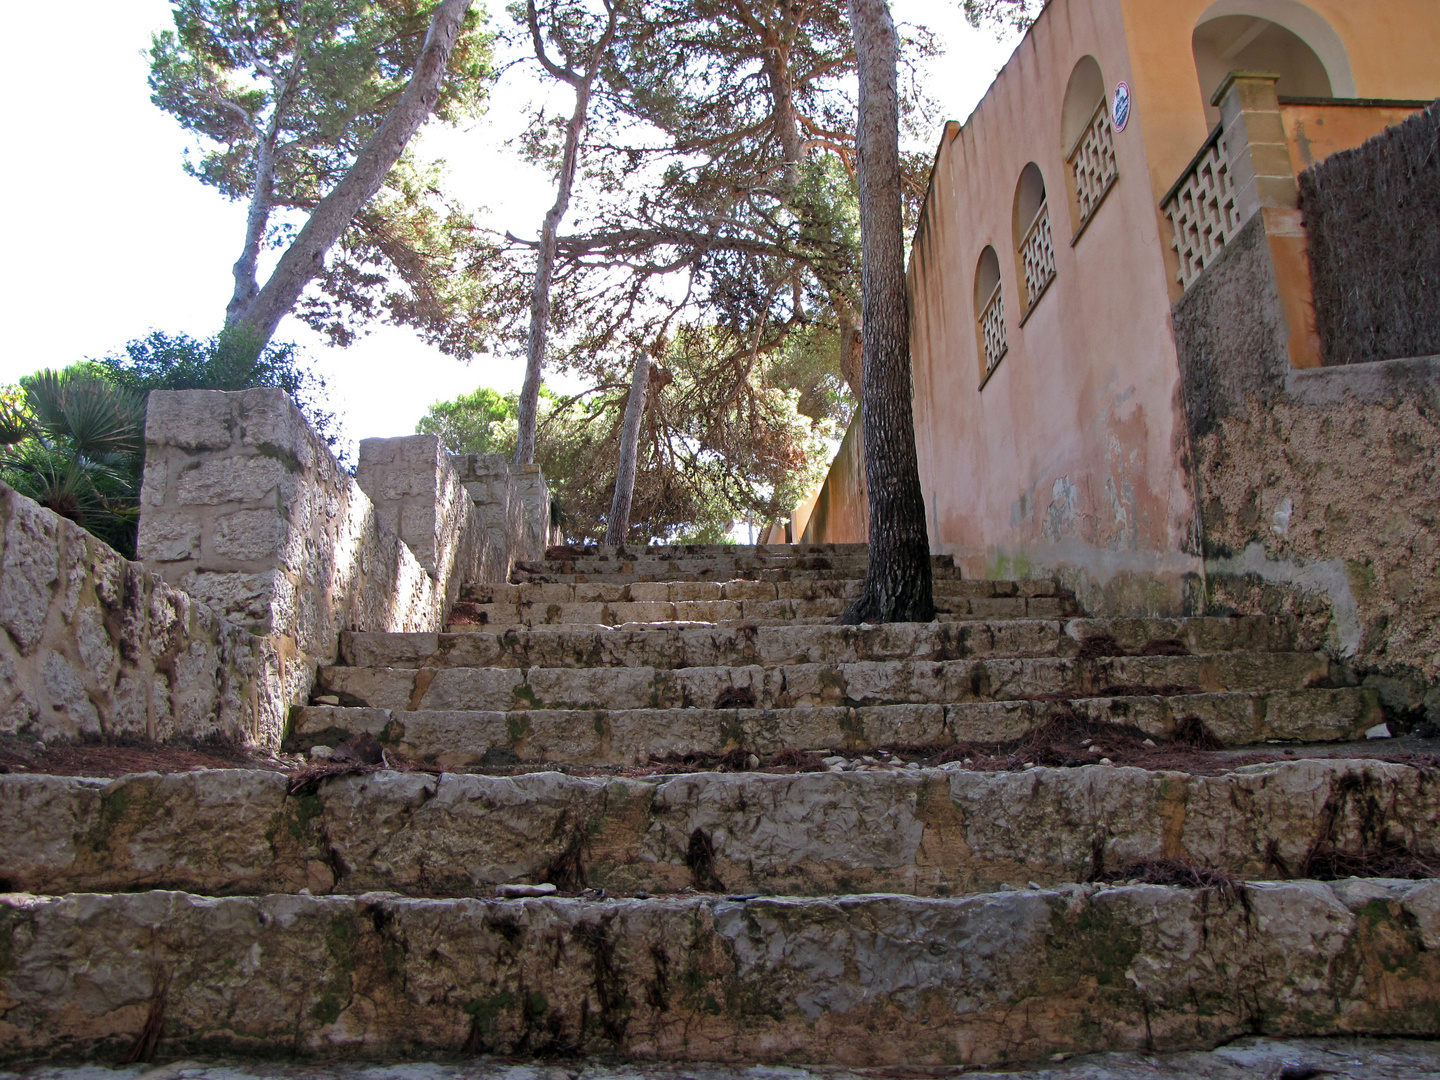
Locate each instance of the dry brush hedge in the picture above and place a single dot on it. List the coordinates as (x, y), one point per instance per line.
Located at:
(1375, 244)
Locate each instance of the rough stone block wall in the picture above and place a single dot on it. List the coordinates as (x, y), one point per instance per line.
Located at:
(1375, 244)
(418, 493)
(95, 647)
(245, 508)
(513, 502)
(1316, 488)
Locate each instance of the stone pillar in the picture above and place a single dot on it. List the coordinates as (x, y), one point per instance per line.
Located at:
(513, 502)
(418, 492)
(244, 507)
(1265, 186)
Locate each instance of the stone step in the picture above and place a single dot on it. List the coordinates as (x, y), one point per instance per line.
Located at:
(685, 551)
(739, 612)
(708, 572)
(667, 591)
(1334, 1058)
(927, 832)
(870, 682)
(711, 566)
(866, 980)
(770, 646)
(628, 737)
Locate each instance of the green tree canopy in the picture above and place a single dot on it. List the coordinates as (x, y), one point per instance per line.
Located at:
(286, 99)
(703, 463)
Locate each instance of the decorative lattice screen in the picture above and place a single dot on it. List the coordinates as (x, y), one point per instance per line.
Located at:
(1202, 210)
(1037, 255)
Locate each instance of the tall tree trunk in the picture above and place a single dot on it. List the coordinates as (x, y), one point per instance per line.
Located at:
(305, 257)
(619, 523)
(545, 261)
(898, 582)
(258, 217)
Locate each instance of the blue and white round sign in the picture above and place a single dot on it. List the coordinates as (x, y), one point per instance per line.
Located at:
(1120, 112)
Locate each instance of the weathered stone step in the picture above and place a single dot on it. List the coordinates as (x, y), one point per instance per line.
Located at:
(685, 551)
(620, 737)
(705, 572)
(769, 646)
(668, 591)
(710, 566)
(923, 832)
(1347, 1057)
(737, 612)
(871, 682)
(869, 980)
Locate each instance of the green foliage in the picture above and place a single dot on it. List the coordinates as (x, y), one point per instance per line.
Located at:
(1003, 15)
(74, 440)
(481, 422)
(228, 361)
(707, 454)
(304, 84)
(76, 446)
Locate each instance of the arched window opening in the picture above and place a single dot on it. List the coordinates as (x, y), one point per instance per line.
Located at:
(1089, 141)
(1249, 43)
(990, 311)
(1034, 244)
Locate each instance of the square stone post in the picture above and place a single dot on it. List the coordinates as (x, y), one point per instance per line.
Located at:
(1265, 186)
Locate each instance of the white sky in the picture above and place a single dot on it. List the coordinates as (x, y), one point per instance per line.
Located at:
(108, 239)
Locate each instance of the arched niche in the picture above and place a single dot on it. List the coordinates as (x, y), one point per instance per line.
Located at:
(1034, 244)
(1283, 36)
(1088, 139)
(1085, 91)
(990, 331)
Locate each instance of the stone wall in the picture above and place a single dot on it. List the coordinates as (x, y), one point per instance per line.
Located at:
(245, 508)
(513, 502)
(95, 647)
(840, 513)
(1316, 488)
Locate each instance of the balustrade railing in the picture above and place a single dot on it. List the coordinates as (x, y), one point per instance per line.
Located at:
(992, 330)
(1202, 209)
(1093, 162)
(1037, 257)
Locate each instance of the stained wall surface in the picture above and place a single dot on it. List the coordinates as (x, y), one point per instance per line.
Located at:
(1071, 456)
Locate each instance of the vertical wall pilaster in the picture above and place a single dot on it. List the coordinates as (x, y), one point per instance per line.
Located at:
(1265, 186)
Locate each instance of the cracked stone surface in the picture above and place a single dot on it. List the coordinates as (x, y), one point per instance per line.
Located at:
(1246, 1059)
(921, 831)
(858, 981)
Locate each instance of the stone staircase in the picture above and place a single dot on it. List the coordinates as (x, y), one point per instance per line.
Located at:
(658, 804)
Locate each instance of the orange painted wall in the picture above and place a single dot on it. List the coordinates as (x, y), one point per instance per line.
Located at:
(1314, 132)
(1072, 458)
(1392, 48)
(840, 512)
(1072, 450)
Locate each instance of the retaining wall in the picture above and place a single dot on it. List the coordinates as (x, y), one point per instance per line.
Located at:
(256, 550)
(96, 647)
(1316, 487)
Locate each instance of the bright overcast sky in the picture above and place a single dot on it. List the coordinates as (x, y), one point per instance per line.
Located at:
(108, 238)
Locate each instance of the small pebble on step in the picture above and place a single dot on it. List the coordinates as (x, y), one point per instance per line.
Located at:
(321, 753)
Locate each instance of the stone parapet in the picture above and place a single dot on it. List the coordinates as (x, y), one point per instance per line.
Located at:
(418, 493)
(513, 502)
(244, 507)
(95, 647)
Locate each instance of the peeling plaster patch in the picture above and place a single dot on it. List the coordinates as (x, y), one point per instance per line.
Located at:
(1060, 518)
(1327, 578)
